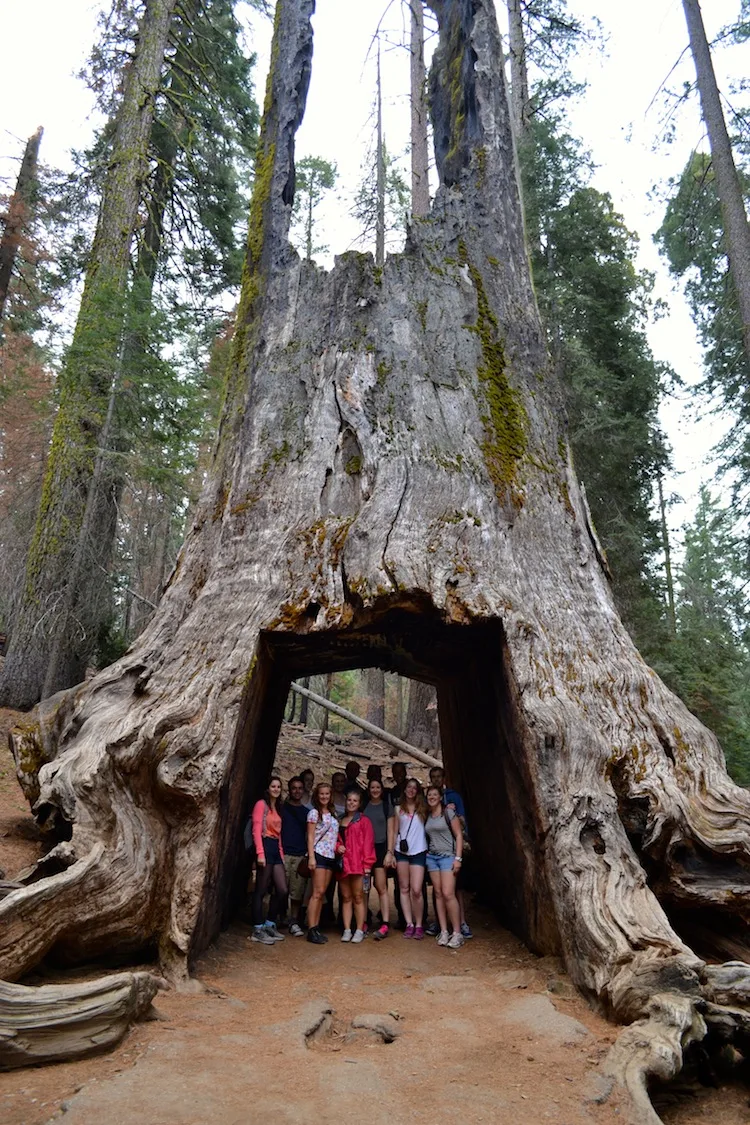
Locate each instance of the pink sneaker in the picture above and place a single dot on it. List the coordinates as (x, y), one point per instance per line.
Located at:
(409, 931)
(419, 933)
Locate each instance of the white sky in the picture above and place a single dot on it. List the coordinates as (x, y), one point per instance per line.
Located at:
(46, 42)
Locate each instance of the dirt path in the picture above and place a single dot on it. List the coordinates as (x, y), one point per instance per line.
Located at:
(488, 1033)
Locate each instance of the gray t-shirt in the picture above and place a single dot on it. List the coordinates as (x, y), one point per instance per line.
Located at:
(377, 815)
(440, 836)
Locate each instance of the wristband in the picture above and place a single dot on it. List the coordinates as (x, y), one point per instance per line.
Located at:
(458, 858)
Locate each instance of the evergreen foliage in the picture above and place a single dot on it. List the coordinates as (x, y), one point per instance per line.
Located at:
(711, 656)
(595, 304)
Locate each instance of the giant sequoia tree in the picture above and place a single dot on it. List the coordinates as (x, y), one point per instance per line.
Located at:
(392, 487)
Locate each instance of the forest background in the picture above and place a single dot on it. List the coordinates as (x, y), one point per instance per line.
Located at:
(613, 153)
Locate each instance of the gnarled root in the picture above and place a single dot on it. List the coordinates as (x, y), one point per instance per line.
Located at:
(56, 1022)
(653, 1047)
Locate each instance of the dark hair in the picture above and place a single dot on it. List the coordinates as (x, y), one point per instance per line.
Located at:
(420, 805)
(374, 772)
(292, 780)
(377, 781)
(308, 770)
(316, 799)
(267, 794)
(437, 769)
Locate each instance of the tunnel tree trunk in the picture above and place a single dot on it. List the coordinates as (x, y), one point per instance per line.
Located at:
(392, 488)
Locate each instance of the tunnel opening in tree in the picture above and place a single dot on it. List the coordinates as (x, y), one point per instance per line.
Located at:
(480, 732)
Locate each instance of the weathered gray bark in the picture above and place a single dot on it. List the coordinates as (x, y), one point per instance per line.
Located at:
(59, 1022)
(736, 229)
(18, 215)
(420, 157)
(65, 596)
(392, 487)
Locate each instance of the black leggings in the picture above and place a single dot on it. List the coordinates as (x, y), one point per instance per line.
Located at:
(272, 876)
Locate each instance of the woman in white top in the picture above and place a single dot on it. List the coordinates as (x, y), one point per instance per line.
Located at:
(322, 840)
(407, 849)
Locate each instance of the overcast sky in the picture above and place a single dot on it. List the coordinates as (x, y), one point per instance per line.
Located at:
(46, 43)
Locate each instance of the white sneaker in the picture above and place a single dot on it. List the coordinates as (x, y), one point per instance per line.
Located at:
(443, 937)
(359, 935)
(296, 930)
(455, 941)
(347, 935)
(259, 934)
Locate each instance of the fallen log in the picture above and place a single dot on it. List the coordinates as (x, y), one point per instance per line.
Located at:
(376, 732)
(69, 1021)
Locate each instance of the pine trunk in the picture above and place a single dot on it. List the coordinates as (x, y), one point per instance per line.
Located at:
(519, 78)
(19, 212)
(392, 486)
(65, 596)
(375, 684)
(420, 157)
(729, 190)
(421, 717)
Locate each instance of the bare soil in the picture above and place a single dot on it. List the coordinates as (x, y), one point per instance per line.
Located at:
(489, 1033)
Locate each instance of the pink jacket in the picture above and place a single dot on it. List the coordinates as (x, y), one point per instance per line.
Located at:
(265, 823)
(360, 846)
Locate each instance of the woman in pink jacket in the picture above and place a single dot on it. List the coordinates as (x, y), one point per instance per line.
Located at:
(356, 847)
(269, 860)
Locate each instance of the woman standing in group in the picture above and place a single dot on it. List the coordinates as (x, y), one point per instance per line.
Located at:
(377, 811)
(269, 860)
(407, 848)
(356, 846)
(445, 840)
(322, 837)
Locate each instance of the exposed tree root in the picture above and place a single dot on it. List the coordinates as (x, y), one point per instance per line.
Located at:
(56, 1022)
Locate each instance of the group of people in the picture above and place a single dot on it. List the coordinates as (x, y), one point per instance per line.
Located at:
(339, 834)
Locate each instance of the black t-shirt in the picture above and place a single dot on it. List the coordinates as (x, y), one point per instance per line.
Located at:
(294, 829)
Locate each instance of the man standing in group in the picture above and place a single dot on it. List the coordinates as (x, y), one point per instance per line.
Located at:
(398, 770)
(308, 781)
(294, 846)
(352, 771)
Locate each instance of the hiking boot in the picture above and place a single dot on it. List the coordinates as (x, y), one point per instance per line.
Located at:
(314, 935)
(382, 933)
(347, 935)
(465, 930)
(296, 930)
(432, 930)
(455, 941)
(262, 936)
(358, 936)
(409, 931)
(270, 928)
(443, 938)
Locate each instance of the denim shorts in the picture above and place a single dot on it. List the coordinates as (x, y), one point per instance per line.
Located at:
(440, 862)
(416, 860)
(324, 862)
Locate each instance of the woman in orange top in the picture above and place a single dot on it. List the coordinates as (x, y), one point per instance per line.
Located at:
(269, 859)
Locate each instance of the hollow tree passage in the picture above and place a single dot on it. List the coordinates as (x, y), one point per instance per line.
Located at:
(481, 748)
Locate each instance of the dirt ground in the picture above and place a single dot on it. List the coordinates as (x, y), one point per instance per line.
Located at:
(489, 1033)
